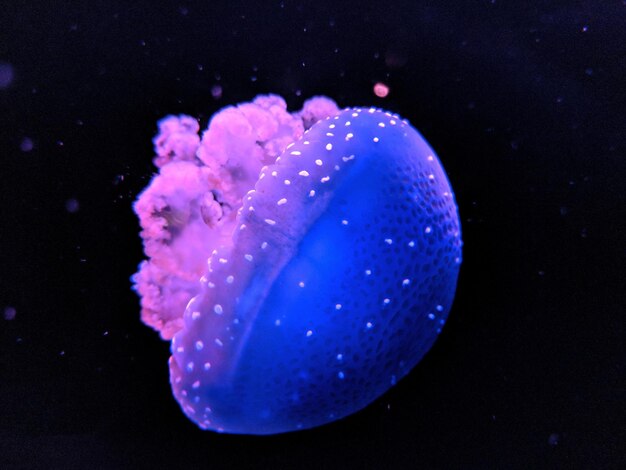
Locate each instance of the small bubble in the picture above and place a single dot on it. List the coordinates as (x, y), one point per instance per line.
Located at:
(9, 313)
(72, 206)
(27, 144)
(6, 75)
(216, 92)
(553, 439)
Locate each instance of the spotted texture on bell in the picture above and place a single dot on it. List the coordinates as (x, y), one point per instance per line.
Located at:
(342, 271)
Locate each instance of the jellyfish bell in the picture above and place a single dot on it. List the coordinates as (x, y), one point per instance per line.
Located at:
(329, 280)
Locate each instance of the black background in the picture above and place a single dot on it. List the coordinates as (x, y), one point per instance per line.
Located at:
(524, 103)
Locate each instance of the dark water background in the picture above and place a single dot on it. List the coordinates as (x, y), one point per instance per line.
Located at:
(525, 104)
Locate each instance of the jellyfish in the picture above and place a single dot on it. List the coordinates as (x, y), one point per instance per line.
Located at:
(300, 263)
